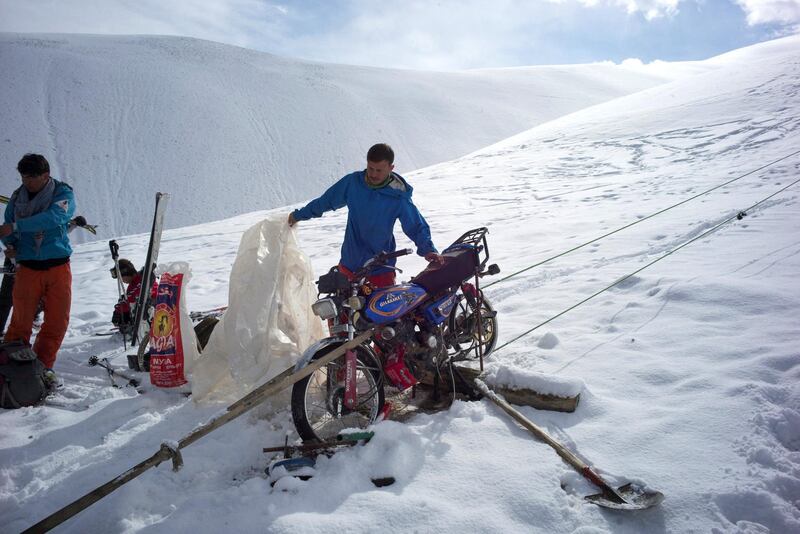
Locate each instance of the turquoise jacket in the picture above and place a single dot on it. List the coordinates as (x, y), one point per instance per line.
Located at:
(51, 223)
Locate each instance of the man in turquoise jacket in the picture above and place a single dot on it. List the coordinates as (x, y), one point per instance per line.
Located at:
(36, 236)
(376, 198)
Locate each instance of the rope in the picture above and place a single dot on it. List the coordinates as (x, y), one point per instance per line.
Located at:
(669, 253)
(640, 220)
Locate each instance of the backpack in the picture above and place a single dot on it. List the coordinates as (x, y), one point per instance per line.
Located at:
(21, 376)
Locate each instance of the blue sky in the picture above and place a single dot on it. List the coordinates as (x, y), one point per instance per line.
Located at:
(438, 35)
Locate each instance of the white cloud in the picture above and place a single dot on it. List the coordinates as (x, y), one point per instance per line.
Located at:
(757, 11)
(228, 21)
(419, 34)
(766, 11)
(650, 9)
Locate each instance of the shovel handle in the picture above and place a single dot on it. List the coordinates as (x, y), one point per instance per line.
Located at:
(562, 451)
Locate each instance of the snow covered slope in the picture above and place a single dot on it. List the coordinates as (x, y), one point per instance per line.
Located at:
(691, 366)
(235, 130)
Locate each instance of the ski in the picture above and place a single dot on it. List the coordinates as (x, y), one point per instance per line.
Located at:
(213, 312)
(65, 405)
(109, 333)
(141, 327)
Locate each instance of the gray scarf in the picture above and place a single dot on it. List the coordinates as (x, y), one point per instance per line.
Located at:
(25, 206)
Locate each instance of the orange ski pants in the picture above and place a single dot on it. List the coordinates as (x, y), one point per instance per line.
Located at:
(53, 287)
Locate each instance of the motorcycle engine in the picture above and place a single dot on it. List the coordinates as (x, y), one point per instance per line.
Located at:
(419, 343)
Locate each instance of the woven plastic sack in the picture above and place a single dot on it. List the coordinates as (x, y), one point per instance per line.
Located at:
(268, 323)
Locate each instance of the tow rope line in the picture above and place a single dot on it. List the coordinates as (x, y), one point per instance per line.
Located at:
(639, 221)
(676, 249)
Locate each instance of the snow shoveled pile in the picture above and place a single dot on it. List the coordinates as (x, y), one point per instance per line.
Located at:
(512, 377)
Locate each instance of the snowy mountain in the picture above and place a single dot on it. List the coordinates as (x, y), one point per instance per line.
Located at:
(236, 130)
(690, 366)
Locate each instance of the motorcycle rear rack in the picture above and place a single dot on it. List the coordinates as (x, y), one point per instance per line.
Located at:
(477, 239)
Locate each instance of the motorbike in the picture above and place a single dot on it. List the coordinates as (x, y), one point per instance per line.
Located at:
(423, 326)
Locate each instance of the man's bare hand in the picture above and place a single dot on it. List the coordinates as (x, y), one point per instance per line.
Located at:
(432, 257)
(6, 229)
(291, 220)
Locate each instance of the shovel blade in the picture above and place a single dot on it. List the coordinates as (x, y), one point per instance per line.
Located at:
(627, 497)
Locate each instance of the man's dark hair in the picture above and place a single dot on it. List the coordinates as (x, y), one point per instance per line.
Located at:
(126, 267)
(33, 165)
(381, 152)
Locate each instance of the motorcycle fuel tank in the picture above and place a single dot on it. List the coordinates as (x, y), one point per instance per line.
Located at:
(388, 304)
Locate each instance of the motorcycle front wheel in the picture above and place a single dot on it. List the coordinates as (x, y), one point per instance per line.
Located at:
(318, 407)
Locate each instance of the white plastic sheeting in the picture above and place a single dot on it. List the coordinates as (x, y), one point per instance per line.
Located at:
(268, 323)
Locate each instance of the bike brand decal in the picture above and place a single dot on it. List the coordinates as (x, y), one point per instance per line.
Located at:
(393, 301)
(446, 305)
(391, 298)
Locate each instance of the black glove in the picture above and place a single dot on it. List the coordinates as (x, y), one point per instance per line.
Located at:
(120, 319)
(80, 220)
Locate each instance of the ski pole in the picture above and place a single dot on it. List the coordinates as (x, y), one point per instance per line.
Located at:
(115, 256)
(118, 275)
(95, 361)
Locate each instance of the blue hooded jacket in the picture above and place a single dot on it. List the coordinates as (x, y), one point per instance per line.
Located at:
(52, 223)
(371, 216)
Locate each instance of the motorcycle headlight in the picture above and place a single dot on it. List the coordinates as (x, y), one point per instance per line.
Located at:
(324, 308)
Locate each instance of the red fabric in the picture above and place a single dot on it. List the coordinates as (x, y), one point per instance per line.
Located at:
(52, 287)
(386, 279)
(132, 294)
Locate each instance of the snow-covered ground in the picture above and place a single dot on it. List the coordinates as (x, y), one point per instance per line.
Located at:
(234, 130)
(691, 367)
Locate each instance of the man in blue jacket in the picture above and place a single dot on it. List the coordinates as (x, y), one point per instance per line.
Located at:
(375, 198)
(35, 234)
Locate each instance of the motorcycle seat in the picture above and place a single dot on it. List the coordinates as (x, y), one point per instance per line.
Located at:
(459, 264)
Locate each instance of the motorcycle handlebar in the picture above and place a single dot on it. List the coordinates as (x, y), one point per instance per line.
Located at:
(380, 259)
(398, 253)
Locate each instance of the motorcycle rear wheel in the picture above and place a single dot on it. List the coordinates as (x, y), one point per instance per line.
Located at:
(463, 334)
(318, 400)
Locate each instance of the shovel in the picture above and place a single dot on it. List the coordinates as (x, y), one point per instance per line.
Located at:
(627, 497)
